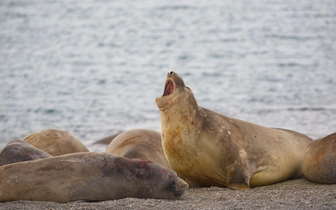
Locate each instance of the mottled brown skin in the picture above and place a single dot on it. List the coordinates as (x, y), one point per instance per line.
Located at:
(88, 176)
(140, 144)
(319, 165)
(209, 149)
(56, 142)
(19, 151)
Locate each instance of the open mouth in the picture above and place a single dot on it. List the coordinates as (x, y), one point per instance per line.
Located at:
(169, 88)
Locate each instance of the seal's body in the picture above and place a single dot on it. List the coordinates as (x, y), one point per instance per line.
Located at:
(319, 165)
(88, 176)
(19, 151)
(139, 144)
(56, 142)
(209, 149)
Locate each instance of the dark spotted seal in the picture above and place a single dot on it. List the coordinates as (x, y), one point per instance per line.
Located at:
(209, 149)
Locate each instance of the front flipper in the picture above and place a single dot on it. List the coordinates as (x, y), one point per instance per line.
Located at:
(238, 177)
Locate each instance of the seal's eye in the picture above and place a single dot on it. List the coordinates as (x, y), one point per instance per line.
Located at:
(172, 185)
(171, 73)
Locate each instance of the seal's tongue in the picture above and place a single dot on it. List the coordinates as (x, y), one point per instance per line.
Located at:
(169, 88)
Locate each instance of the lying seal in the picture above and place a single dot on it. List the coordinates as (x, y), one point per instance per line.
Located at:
(19, 151)
(209, 149)
(56, 142)
(139, 144)
(319, 165)
(88, 176)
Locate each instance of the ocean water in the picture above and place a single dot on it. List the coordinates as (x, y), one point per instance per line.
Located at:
(95, 67)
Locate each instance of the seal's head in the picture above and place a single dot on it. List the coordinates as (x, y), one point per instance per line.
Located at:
(174, 90)
(171, 186)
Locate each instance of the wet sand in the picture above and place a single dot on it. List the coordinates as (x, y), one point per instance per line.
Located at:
(293, 194)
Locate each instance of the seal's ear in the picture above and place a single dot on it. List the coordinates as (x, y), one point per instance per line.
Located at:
(188, 87)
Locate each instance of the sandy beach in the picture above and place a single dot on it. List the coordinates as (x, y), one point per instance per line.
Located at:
(293, 194)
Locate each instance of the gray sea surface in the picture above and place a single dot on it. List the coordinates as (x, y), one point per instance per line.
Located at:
(95, 67)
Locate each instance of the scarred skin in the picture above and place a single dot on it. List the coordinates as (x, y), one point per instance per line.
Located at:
(56, 142)
(209, 149)
(88, 176)
(140, 144)
(319, 165)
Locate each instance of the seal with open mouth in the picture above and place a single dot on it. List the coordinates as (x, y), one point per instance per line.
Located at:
(209, 149)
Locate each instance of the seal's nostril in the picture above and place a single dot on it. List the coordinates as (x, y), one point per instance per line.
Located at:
(171, 73)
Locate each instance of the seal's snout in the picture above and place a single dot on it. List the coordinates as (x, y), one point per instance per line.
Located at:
(170, 73)
(173, 89)
(178, 187)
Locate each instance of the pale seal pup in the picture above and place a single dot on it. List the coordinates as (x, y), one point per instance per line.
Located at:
(88, 176)
(319, 165)
(56, 142)
(209, 149)
(139, 144)
(19, 151)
